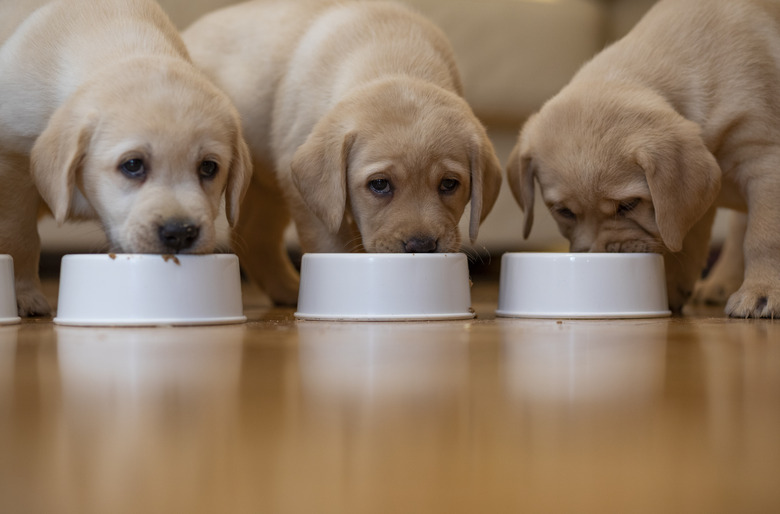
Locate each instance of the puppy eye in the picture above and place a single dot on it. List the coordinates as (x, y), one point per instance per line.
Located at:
(208, 169)
(626, 207)
(380, 186)
(563, 212)
(448, 185)
(133, 168)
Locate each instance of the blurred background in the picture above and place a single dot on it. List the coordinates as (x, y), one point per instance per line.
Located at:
(513, 55)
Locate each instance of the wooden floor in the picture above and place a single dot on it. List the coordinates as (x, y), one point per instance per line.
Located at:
(678, 415)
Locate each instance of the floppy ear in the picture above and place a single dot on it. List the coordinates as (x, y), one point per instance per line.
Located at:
(319, 171)
(58, 155)
(683, 177)
(520, 172)
(239, 176)
(485, 182)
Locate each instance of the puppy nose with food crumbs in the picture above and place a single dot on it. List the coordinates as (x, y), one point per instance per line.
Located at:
(178, 235)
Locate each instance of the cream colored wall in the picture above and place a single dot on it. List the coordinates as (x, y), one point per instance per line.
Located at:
(513, 54)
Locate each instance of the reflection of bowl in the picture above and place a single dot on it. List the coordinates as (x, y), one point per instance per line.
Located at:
(144, 386)
(141, 289)
(386, 286)
(582, 285)
(369, 363)
(8, 310)
(197, 360)
(621, 364)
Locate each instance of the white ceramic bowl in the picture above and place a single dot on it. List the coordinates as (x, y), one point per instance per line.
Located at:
(582, 285)
(384, 287)
(147, 290)
(8, 309)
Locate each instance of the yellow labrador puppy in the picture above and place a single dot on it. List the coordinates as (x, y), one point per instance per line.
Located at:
(357, 128)
(680, 116)
(103, 115)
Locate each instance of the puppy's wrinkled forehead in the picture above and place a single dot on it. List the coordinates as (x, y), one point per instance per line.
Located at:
(413, 136)
(157, 104)
(586, 147)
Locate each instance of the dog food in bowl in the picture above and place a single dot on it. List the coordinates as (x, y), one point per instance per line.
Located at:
(8, 310)
(148, 290)
(582, 285)
(384, 286)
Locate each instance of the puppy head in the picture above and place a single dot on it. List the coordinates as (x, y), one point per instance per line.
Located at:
(150, 155)
(619, 170)
(403, 158)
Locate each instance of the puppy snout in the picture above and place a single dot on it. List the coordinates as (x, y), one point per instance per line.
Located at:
(178, 235)
(420, 244)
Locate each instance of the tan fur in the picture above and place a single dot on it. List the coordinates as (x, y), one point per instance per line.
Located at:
(333, 96)
(655, 132)
(86, 86)
(728, 272)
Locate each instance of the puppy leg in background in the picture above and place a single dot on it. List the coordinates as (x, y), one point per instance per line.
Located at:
(315, 238)
(258, 239)
(759, 295)
(19, 202)
(684, 268)
(729, 270)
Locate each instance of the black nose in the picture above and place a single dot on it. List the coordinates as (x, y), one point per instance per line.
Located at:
(423, 244)
(178, 235)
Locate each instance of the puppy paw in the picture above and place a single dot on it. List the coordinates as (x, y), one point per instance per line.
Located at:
(283, 293)
(678, 296)
(754, 302)
(714, 291)
(31, 302)
(285, 300)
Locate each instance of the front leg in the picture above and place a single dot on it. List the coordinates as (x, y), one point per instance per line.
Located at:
(684, 268)
(759, 295)
(315, 236)
(727, 273)
(19, 238)
(258, 239)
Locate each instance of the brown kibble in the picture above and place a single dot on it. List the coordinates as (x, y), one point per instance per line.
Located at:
(167, 257)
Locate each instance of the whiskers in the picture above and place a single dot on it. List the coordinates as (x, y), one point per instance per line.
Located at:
(96, 233)
(477, 255)
(657, 247)
(103, 248)
(237, 243)
(355, 245)
(223, 248)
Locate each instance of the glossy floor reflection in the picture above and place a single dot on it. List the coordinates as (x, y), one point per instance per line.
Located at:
(481, 416)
